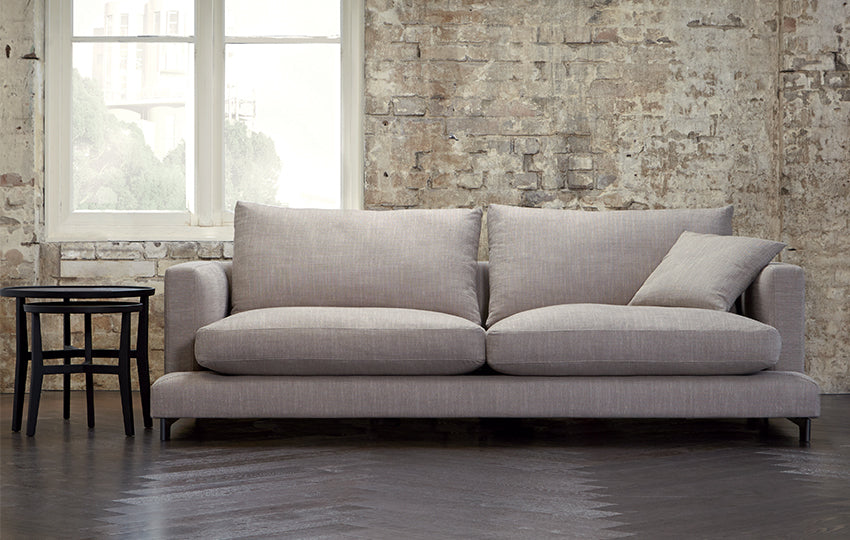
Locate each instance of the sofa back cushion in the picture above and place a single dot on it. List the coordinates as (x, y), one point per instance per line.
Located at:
(416, 259)
(543, 257)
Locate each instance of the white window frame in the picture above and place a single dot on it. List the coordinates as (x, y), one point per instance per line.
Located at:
(206, 220)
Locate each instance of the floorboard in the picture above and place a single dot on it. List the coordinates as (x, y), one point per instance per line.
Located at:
(412, 479)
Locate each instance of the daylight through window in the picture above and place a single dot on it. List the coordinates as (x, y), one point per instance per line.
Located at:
(177, 109)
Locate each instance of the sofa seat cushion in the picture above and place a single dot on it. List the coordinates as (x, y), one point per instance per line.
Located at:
(599, 339)
(340, 341)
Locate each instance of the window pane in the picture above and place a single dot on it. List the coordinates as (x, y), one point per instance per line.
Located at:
(131, 126)
(282, 107)
(133, 18)
(281, 18)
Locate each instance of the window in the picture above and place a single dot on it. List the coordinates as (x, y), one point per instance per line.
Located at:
(161, 114)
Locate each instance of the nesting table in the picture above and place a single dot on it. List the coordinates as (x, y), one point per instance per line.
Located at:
(87, 301)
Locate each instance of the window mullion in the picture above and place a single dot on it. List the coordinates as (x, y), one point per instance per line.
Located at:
(209, 111)
(57, 115)
(352, 79)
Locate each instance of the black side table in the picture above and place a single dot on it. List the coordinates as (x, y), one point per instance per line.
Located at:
(75, 300)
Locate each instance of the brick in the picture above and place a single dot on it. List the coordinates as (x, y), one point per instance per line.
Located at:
(17, 197)
(526, 180)
(837, 79)
(528, 164)
(537, 198)
(580, 180)
(210, 250)
(581, 162)
(119, 250)
(414, 179)
(605, 35)
(457, 53)
(117, 270)
(376, 105)
(523, 34)
(563, 34)
(14, 179)
(183, 250)
(470, 180)
(526, 145)
(156, 250)
(442, 181)
(399, 51)
(409, 106)
(730, 22)
(78, 250)
(801, 80)
(473, 126)
(551, 179)
(512, 108)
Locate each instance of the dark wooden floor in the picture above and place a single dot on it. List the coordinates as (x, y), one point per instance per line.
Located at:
(410, 479)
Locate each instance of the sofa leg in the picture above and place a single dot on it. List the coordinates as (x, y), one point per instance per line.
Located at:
(805, 425)
(165, 428)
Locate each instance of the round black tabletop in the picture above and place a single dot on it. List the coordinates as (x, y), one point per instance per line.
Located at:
(76, 291)
(85, 306)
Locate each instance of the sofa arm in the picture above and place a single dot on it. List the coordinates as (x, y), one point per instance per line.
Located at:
(778, 297)
(196, 294)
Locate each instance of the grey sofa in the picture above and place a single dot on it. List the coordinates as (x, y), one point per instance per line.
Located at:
(388, 314)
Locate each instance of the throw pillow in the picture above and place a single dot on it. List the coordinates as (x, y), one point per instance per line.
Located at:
(706, 271)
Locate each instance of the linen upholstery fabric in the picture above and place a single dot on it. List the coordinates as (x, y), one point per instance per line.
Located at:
(706, 271)
(196, 294)
(417, 259)
(482, 282)
(340, 341)
(598, 339)
(777, 297)
(541, 257)
(766, 394)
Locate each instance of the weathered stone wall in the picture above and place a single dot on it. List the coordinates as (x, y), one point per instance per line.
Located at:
(591, 104)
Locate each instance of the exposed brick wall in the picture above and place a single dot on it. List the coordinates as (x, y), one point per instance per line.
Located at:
(590, 104)
(593, 105)
(21, 161)
(815, 180)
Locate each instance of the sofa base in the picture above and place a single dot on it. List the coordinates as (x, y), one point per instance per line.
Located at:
(767, 394)
(805, 425)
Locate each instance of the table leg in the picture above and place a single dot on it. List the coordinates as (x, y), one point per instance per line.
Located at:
(66, 378)
(124, 374)
(37, 374)
(21, 360)
(89, 377)
(142, 363)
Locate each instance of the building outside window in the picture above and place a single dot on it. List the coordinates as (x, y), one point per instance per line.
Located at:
(173, 23)
(164, 129)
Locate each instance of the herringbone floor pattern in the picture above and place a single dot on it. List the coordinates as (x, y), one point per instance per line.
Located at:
(423, 479)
